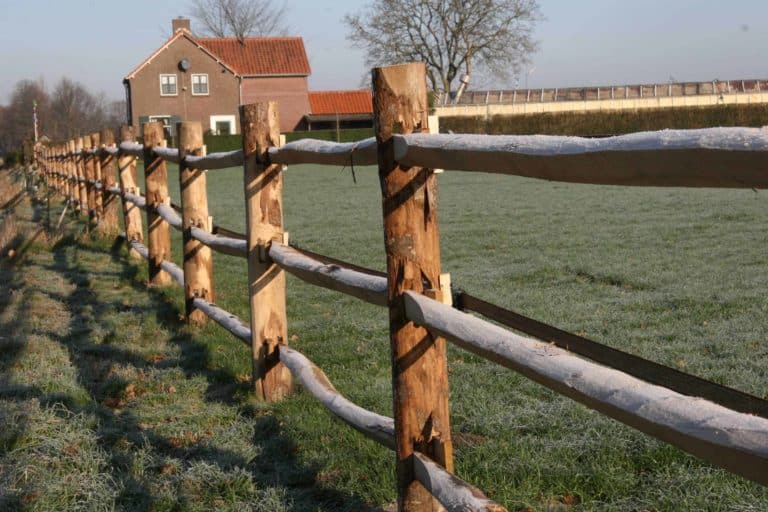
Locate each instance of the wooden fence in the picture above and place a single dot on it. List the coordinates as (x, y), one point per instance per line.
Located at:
(722, 425)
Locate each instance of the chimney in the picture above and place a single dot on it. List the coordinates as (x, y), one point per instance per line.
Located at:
(181, 23)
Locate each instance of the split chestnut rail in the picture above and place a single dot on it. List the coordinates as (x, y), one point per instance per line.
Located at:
(722, 425)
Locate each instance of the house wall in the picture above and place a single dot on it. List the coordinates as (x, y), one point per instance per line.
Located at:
(291, 94)
(223, 88)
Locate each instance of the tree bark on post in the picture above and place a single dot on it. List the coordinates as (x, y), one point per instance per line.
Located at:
(80, 167)
(89, 171)
(110, 221)
(126, 165)
(61, 169)
(156, 177)
(263, 184)
(198, 258)
(72, 175)
(98, 204)
(53, 165)
(59, 150)
(419, 367)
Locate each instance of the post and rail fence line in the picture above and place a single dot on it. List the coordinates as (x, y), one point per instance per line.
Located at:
(719, 424)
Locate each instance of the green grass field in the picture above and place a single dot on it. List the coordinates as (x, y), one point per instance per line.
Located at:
(111, 403)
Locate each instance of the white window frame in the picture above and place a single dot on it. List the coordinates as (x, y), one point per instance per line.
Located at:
(221, 119)
(207, 84)
(161, 118)
(175, 83)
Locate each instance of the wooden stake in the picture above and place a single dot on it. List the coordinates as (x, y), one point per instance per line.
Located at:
(89, 172)
(110, 219)
(198, 258)
(80, 169)
(156, 176)
(98, 204)
(74, 195)
(419, 367)
(266, 281)
(126, 165)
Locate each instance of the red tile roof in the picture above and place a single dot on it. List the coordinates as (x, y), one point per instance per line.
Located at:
(261, 55)
(341, 102)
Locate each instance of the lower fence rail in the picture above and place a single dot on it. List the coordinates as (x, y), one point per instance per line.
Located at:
(732, 440)
(452, 492)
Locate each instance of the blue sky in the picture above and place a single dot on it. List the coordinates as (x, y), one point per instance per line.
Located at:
(582, 42)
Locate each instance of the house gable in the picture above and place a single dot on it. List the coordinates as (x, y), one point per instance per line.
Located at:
(169, 83)
(174, 40)
(206, 91)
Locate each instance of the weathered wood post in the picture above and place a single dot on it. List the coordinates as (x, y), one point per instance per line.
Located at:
(62, 168)
(80, 166)
(419, 367)
(110, 220)
(98, 205)
(156, 183)
(74, 195)
(263, 184)
(198, 258)
(52, 164)
(126, 165)
(89, 172)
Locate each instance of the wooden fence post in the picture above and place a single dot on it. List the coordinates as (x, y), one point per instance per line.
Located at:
(80, 168)
(53, 166)
(126, 165)
(156, 183)
(61, 150)
(419, 367)
(56, 150)
(266, 281)
(90, 202)
(110, 222)
(97, 206)
(72, 174)
(198, 258)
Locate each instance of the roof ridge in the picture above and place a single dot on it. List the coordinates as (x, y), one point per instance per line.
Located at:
(259, 38)
(339, 91)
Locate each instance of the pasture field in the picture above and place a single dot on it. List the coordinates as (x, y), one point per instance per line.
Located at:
(110, 402)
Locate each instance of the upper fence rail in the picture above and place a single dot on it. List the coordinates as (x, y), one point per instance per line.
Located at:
(711, 157)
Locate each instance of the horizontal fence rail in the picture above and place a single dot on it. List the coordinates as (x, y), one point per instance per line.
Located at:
(452, 492)
(737, 441)
(716, 423)
(715, 157)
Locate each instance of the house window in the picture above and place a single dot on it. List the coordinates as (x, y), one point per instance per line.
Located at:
(223, 128)
(167, 125)
(199, 85)
(223, 125)
(168, 85)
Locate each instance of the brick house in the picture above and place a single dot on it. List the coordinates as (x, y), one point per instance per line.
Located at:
(206, 79)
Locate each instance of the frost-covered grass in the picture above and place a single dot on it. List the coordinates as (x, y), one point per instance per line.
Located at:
(161, 417)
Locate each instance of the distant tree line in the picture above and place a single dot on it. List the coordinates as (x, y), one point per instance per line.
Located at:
(67, 111)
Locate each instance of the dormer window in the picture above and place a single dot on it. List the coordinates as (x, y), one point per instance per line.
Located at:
(200, 85)
(168, 85)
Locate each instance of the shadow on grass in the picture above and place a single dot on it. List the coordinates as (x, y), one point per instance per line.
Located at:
(276, 464)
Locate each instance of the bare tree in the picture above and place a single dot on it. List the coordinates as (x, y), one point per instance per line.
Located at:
(450, 36)
(18, 122)
(240, 18)
(74, 110)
